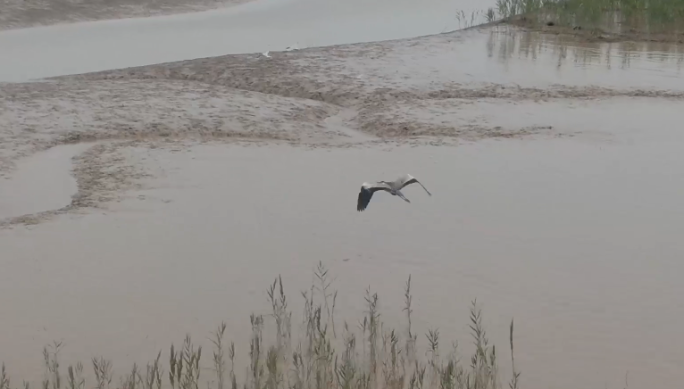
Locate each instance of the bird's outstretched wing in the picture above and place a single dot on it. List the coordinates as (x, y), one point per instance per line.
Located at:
(366, 193)
(408, 179)
(364, 198)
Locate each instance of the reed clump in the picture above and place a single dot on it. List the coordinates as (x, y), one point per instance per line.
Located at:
(369, 355)
(609, 16)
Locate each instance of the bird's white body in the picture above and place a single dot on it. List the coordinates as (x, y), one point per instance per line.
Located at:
(392, 187)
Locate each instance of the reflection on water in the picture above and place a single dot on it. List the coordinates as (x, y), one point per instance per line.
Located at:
(506, 43)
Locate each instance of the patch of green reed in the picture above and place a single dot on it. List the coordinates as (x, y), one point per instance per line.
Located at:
(369, 355)
(637, 15)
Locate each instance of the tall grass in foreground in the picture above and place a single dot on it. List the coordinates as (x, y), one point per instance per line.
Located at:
(364, 356)
(639, 15)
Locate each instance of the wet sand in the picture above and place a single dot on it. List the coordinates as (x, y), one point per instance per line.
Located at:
(555, 199)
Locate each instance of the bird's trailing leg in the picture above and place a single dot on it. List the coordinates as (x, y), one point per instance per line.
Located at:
(402, 196)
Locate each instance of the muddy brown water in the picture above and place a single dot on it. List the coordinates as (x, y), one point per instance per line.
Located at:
(42, 182)
(508, 55)
(575, 237)
(576, 240)
(573, 61)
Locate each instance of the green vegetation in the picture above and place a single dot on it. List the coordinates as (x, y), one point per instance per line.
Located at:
(617, 16)
(325, 357)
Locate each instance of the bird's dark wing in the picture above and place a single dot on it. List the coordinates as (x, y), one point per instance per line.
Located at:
(364, 198)
(366, 193)
(409, 179)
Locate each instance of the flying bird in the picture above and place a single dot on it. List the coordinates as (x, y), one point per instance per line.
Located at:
(393, 187)
(265, 54)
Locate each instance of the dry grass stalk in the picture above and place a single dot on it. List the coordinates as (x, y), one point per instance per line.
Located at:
(385, 360)
(184, 370)
(219, 359)
(103, 372)
(4, 378)
(53, 379)
(75, 378)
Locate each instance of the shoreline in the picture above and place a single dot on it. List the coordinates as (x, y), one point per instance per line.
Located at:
(594, 35)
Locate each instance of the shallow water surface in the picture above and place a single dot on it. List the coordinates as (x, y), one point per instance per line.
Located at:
(42, 182)
(513, 57)
(575, 238)
(254, 27)
(572, 60)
